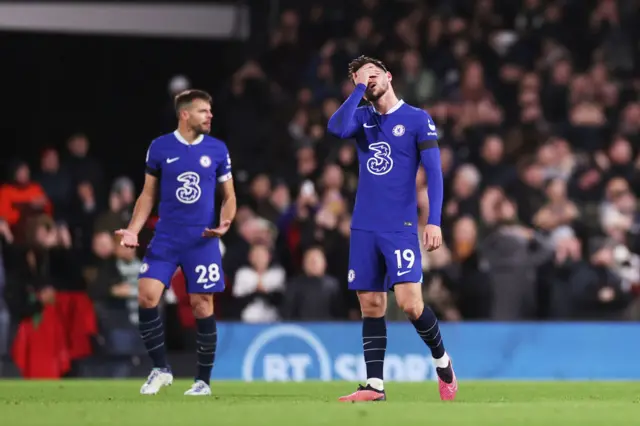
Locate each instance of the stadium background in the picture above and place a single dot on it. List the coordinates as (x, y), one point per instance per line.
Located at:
(537, 104)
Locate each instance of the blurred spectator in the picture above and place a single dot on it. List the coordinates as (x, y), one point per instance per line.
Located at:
(84, 213)
(466, 275)
(21, 199)
(56, 183)
(259, 287)
(113, 287)
(513, 254)
(121, 201)
(32, 283)
(603, 288)
(559, 210)
(463, 200)
(313, 296)
(82, 166)
(5, 238)
(415, 84)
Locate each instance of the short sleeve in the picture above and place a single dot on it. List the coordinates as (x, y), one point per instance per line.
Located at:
(224, 167)
(427, 135)
(153, 161)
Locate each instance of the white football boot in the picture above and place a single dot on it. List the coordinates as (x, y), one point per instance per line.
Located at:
(157, 379)
(199, 388)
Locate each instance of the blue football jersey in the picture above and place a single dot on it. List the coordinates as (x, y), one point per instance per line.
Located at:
(389, 147)
(188, 174)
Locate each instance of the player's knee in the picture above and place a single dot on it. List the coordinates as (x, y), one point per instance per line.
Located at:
(149, 292)
(201, 305)
(147, 299)
(412, 307)
(373, 305)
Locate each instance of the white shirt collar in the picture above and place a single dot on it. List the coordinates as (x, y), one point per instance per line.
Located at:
(393, 109)
(184, 141)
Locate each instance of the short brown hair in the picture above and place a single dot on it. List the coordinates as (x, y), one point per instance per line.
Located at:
(184, 98)
(361, 61)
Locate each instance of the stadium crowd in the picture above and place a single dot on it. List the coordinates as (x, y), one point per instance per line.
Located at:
(538, 110)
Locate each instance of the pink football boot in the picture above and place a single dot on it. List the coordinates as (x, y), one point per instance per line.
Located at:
(449, 390)
(364, 394)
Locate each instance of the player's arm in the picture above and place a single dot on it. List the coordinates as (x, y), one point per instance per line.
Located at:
(227, 210)
(430, 157)
(344, 123)
(144, 203)
(229, 205)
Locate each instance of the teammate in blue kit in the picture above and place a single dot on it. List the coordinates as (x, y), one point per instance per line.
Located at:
(392, 139)
(184, 167)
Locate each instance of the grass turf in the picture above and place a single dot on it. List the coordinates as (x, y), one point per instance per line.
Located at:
(117, 402)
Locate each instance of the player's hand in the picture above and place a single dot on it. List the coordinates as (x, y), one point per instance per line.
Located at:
(362, 76)
(128, 238)
(219, 231)
(432, 237)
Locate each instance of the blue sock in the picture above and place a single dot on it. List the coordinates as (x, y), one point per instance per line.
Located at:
(152, 333)
(207, 339)
(427, 327)
(374, 343)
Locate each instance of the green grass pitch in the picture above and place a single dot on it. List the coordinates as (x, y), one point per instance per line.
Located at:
(117, 403)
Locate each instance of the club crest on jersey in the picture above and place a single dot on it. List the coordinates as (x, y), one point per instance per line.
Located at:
(398, 130)
(352, 275)
(205, 161)
(381, 163)
(144, 268)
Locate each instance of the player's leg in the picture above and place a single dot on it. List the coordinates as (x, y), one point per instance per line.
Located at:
(409, 298)
(155, 276)
(404, 267)
(373, 305)
(207, 339)
(203, 273)
(366, 276)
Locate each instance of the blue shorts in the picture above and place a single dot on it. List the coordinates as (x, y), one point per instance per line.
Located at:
(380, 260)
(199, 258)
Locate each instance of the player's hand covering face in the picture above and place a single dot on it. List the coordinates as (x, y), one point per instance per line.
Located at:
(432, 237)
(376, 80)
(200, 116)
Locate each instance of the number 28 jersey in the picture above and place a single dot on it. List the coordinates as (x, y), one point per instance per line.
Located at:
(188, 176)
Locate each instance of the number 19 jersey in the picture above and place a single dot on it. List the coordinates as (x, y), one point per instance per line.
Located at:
(384, 246)
(389, 148)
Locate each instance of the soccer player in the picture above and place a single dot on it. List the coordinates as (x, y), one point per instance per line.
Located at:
(392, 139)
(184, 167)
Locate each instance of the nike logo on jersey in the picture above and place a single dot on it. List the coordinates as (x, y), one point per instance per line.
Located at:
(208, 286)
(172, 160)
(403, 273)
(367, 126)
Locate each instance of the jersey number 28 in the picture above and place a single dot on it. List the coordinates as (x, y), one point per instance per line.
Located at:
(208, 274)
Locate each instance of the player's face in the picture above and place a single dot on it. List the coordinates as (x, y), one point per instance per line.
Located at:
(378, 83)
(199, 118)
